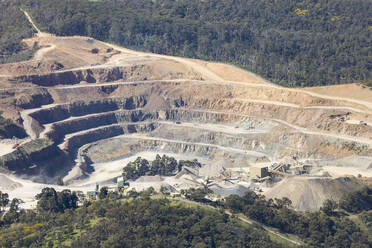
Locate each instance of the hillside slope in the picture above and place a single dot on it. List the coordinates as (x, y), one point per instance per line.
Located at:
(293, 43)
(14, 27)
(308, 193)
(88, 107)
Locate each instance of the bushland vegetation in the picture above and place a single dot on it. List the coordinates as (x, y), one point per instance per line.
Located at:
(139, 222)
(141, 219)
(13, 28)
(161, 165)
(293, 43)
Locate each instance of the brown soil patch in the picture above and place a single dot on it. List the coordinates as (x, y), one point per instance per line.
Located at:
(353, 91)
(232, 73)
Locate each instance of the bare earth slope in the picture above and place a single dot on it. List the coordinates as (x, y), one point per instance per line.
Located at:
(89, 107)
(308, 193)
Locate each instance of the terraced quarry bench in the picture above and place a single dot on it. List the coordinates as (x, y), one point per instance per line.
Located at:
(114, 107)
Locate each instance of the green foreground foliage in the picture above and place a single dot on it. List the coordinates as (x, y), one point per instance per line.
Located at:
(294, 43)
(325, 228)
(140, 222)
(357, 201)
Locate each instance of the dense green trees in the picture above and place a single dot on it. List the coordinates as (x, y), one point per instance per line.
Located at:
(155, 223)
(13, 28)
(51, 201)
(164, 166)
(4, 200)
(357, 201)
(103, 193)
(145, 222)
(289, 42)
(136, 169)
(317, 229)
(366, 218)
(13, 214)
(329, 207)
(141, 222)
(295, 43)
(161, 165)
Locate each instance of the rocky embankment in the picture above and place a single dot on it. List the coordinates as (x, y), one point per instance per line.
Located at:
(136, 72)
(187, 125)
(27, 99)
(85, 75)
(10, 129)
(40, 158)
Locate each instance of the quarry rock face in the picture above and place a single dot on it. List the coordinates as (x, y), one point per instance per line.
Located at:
(37, 157)
(83, 120)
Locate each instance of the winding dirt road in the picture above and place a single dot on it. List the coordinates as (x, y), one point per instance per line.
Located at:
(39, 33)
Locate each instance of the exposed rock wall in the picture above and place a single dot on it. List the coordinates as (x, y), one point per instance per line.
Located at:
(62, 112)
(201, 116)
(315, 119)
(52, 79)
(93, 75)
(34, 157)
(129, 146)
(60, 129)
(78, 140)
(136, 116)
(32, 98)
(11, 130)
(89, 136)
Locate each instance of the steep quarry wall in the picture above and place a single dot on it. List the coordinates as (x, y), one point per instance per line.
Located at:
(121, 147)
(131, 72)
(314, 119)
(65, 111)
(201, 116)
(27, 99)
(136, 72)
(37, 157)
(159, 106)
(78, 140)
(60, 129)
(10, 130)
(89, 136)
(208, 139)
(52, 79)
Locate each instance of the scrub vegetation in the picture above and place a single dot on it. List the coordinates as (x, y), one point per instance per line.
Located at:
(13, 28)
(293, 43)
(146, 219)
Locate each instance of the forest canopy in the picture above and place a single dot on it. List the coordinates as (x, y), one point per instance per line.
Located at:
(141, 222)
(293, 43)
(161, 165)
(151, 219)
(13, 28)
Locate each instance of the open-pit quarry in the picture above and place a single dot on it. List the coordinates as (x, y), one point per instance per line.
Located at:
(82, 109)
